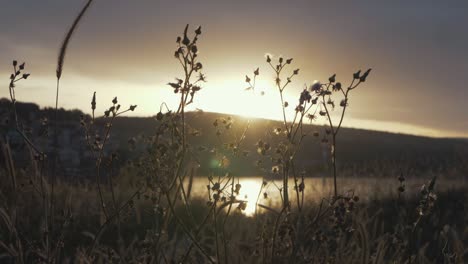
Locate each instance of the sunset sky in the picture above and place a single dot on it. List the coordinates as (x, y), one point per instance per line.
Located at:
(418, 51)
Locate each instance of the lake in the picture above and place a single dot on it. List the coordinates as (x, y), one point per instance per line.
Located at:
(318, 188)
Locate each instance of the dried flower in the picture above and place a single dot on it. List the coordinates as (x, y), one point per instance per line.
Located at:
(357, 74)
(198, 30)
(364, 76)
(337, 86)
(194, 49)
(316, 86)
(344, 103)
(304, 97)
(186, 40)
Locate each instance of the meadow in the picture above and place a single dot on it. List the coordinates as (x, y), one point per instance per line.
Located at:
(182, 194)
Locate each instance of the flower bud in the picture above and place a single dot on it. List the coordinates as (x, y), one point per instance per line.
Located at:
(159, 116)
(194, 49)
(337, 86)
(316, 86)
(364, 76)
(357, 74)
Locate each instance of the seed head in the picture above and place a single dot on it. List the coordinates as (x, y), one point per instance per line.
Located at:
(159, 116)
(364, 76)
(316, 86)
(357, 74)
(194, 49)
(401, 178)
(93, 102)
(256, 72)
(237, 188)
(186, 40)
(198, 30)
(343, 103)
(401, 188)
(337, 86)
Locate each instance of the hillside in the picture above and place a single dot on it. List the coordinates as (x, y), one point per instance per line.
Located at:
(360, 152)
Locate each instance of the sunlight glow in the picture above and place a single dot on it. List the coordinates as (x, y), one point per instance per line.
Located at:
(232, 98)
(249, 192)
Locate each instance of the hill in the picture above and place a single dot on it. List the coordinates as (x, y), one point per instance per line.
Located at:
(360, 152)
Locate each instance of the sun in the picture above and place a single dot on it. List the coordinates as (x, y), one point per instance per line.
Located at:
(233, 98)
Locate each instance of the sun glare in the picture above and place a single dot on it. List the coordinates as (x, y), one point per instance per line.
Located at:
(249, 193)
(232, 98)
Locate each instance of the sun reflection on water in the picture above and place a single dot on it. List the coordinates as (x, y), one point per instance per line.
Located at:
(249, 193)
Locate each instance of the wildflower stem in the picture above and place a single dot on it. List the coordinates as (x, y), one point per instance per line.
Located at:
(185, 229)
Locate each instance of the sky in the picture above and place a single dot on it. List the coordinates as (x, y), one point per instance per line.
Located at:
(418, 52)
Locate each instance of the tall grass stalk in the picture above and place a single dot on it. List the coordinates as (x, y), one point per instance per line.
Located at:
(59, 70)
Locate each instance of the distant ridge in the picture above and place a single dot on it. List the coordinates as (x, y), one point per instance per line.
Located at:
(360, 152)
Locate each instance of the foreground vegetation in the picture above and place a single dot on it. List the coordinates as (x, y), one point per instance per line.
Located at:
(150, 216)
